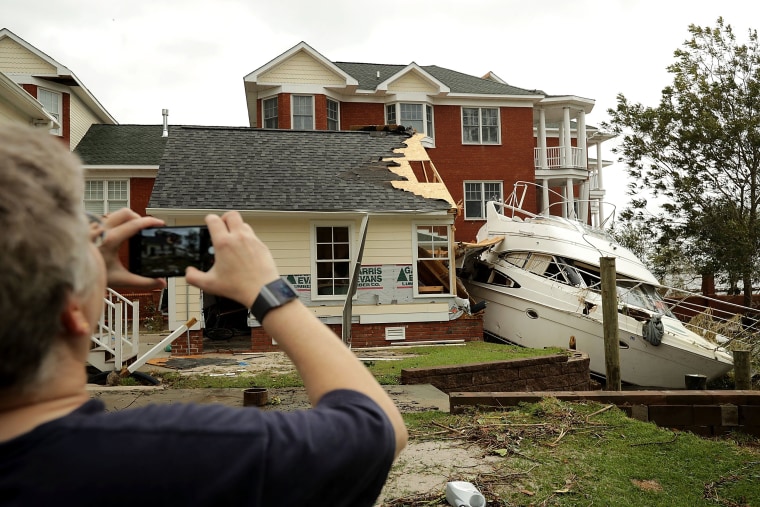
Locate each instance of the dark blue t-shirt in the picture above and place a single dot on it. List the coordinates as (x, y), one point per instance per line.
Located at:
(338, 453)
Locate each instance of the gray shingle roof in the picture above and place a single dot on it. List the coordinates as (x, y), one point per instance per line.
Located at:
(284, 170)
(122, 145)
(366, 74)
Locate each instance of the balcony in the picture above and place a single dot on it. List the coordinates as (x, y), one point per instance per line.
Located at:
(559, 157)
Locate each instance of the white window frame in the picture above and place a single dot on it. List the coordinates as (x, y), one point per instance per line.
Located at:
(315, 295)
(480, 126)
(105, 200)
(293, 115)
(265, 118)
(336, 120)
(415, 249)
(54, 107)
(427, 119)
(483, 197)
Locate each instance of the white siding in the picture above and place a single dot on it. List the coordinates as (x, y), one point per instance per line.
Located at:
(412, 82)
(389, 241)
(301, 68)
(15, 59)
(80, 120)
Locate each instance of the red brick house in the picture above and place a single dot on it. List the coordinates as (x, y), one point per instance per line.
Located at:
(482, 134)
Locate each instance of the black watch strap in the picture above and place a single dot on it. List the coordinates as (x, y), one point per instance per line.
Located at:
(272, 295)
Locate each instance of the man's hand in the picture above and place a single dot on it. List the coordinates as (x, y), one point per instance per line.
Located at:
(242, 263)
(119, 227)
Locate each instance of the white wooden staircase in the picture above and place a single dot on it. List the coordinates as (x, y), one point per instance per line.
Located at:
(117, 339)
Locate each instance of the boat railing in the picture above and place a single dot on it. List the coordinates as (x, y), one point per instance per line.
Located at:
(722, 322)
(514, 203)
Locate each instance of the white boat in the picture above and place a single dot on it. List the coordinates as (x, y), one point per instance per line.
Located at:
(540, 277)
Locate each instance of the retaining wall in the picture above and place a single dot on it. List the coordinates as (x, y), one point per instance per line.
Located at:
(558, 372)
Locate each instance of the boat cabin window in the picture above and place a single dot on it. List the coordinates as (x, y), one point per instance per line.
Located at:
(554, 268)
(641, 295)
(517, 258)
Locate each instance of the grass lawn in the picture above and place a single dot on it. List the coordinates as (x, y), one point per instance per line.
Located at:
(567, 454)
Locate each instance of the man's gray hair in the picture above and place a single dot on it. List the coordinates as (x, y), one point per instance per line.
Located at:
(44, 252)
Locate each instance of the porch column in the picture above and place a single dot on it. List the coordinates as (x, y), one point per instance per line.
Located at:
(542, 163)
(583, 159)
(545, 197)
(584, 203)
(599, 179)
(570, 198)
(566, 140)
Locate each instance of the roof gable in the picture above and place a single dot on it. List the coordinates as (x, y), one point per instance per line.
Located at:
(301, 63)
(414, 78)
(284, 170)
(18, 56)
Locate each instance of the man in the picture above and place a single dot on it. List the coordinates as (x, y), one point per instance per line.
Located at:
(59, 447)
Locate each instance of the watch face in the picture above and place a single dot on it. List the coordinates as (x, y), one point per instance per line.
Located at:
(283, 290)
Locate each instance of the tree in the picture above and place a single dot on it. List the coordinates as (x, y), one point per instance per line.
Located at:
(700, 149)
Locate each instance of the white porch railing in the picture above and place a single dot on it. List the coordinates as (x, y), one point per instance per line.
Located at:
(559, 157)
(118, 330)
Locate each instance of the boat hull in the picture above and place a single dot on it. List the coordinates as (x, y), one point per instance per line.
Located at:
(512, 314)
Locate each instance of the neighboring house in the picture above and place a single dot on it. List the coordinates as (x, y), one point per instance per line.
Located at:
(306, 195)
(120, 166)
(482, 134)
(17, 106)
(54, 86)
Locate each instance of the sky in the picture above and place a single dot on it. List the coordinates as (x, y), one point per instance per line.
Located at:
(138, 57)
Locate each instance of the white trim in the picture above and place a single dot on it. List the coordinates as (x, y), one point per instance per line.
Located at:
(387, 318)
(105, 199)
(413, 67)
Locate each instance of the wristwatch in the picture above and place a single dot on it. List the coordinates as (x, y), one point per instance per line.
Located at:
(272, 295)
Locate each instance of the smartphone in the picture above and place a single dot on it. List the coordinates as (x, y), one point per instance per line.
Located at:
(159, 252)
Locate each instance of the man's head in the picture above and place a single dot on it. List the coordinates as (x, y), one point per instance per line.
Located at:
(45, 256)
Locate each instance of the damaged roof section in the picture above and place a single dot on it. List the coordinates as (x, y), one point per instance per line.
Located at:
(287, 170)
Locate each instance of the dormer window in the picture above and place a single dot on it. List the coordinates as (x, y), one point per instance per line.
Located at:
(269, 107)
(51, 101)
(406, 114)
(333, 115)
(303, 112)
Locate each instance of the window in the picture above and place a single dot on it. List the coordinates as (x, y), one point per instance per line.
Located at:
(429, 120)
(433, 260)
(332, 115)
(51, 101)
(270, 113)
(417, 116)
(480, 125)
(303, 112)
(332, 259)
(476, 195)
(390, 114)
(105, 196)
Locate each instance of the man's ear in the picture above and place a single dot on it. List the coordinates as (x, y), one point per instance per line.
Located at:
(74, 320)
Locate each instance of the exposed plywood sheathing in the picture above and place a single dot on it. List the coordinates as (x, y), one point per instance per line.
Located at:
(415, 152)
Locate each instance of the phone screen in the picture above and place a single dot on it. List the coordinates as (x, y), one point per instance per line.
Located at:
(166, 251)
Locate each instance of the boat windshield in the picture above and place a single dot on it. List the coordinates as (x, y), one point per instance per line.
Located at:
(641, 295)
(549, 266)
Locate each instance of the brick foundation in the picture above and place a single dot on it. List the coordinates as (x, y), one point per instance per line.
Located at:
(555, 372)
(184, 346)
(466, 328)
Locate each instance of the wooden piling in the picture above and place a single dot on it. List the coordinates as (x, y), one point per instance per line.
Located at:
(742, 368)
(610, 324)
